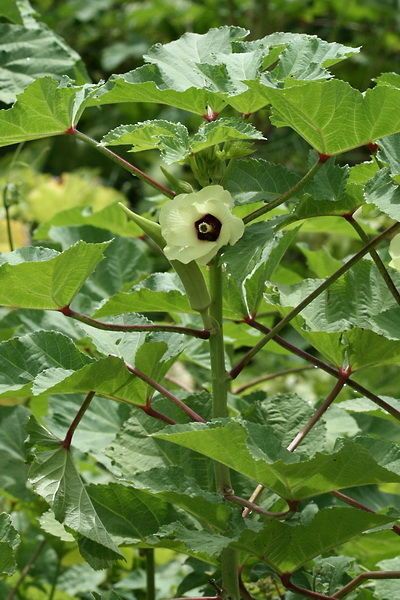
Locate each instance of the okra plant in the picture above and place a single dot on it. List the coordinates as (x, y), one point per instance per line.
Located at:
(142, 344)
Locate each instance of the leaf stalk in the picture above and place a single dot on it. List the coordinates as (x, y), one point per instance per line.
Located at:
(122, 162)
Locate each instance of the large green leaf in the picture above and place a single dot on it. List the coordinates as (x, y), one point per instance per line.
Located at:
(41, 278)
(334, 190)
(286, 414)
(160, 292)
(305, 56)
(54, 476)
(251, 180)
(175, 474)
(389, 152)
(354, 300)
(13, 470)
(386, 589)
(284, 546)
(212, 70)
(98, 427)
(135, 450)
(250, 450)
(111, 218)
(147, 84)
(108, 375)
(45, 108)
(131, 515)
(9, 541)
(180, 74)
(254, 259)
(359, 348)
(173, 485)
(288, 546)
(173, 139)
(47, 361)
(382, 192)
(29, 53)
(332, 116)
(23, 358)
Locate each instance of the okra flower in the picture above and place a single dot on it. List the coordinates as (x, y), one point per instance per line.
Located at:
(195, 226)
(394, 251)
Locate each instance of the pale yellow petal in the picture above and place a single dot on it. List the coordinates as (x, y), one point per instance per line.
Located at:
(236, 226)
(394, 248)
(187, 253)
(395, 263)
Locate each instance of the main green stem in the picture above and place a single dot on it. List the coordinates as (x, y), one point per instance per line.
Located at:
(148, 553)
(220, 382)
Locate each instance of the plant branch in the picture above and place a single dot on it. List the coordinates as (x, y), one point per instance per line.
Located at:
(285, 578)
(349, 587)
(69, 435)
(376, 258)
(348, 500)
(270, 377)
(317, 362)
(286, 195)
(319, 290)
(255, 508)
(149, 410)
(356, 504)
(26, 569)
(164, 392)
(122, 162)
(203, 334)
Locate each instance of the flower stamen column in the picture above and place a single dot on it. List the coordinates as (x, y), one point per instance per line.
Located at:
(220, 382)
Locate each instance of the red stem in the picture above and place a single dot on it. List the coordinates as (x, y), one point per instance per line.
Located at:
(255, 508)
(285, 578)
(203, 334)
(349, 587)
(166, 393)
(66, 443)
(122, 162)
(334, 371)
(157, 415)
(356, 504)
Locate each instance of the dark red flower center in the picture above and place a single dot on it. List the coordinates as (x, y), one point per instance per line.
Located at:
(208, 228)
